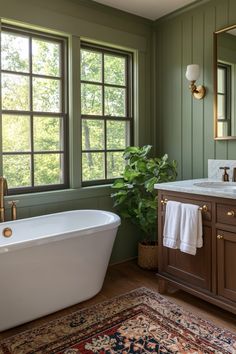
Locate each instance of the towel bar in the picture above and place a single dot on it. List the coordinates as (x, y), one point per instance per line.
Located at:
(203, 208)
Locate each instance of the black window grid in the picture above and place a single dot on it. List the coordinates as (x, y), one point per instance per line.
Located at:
(106, 118)
(62, 114)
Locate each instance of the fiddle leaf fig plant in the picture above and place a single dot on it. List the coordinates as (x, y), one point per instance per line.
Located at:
(134, 195)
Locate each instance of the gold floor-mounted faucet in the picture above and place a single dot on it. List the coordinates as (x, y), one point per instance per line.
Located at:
(3, 192)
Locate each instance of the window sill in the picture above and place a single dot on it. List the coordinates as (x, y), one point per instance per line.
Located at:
(40, 198)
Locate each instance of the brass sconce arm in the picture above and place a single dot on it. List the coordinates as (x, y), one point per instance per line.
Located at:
(197, 91)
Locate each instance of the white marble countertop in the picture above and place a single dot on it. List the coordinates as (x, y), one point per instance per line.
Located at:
(214, 188)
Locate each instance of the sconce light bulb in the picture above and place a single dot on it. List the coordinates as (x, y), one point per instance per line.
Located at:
(193, 72)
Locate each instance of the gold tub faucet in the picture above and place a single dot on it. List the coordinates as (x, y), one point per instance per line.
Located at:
(13, 203)
(3, 192)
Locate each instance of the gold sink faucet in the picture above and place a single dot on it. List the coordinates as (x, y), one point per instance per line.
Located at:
(225, 176)
(3, 192)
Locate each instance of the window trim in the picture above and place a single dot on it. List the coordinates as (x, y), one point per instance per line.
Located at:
(227, 94)
(129, 118)
(63, 114)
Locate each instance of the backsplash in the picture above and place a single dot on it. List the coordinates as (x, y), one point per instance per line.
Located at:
(214, 171)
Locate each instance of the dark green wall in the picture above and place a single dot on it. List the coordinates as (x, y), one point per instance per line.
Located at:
(85, 19)
(226, 47)
(185, 125)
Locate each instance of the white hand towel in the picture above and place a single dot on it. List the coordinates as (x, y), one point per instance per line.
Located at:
(190, 228)
(171, 230)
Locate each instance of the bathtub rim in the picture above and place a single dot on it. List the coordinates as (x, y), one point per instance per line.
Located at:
(54, 237)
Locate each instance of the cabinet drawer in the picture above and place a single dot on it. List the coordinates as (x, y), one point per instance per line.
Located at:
(226, 214)
(206, 206)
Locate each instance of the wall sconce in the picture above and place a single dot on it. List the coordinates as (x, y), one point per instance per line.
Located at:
(192, 74)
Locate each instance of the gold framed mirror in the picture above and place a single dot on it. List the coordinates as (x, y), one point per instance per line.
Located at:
(225, 83)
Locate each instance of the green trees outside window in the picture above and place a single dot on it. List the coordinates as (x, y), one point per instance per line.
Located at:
(106, 77)
(34, 118)
(33, 109)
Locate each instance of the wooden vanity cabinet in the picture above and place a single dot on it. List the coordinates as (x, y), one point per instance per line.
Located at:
(226, 264)
(211, 273)
(194, 270)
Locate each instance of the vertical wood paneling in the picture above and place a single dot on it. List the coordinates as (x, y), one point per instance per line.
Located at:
(148, 100)
(198, 118)
(159, 87)
(171, 89)
(163, 87)
(232, 150)
(222, 13)
(144, 123)
(143, 120)
(187, 127)
(196, 41)
(232, 12)
(209, 143)
(153, 89)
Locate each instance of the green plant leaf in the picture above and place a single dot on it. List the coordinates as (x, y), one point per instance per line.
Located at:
(129, 151)
(130, 174)
(134, 197)
(149, 184)
(119, 183)
(144, 151)
(141, 166)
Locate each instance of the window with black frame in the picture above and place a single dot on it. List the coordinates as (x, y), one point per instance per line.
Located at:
(224, 99)
(106, 111)
(34, 110)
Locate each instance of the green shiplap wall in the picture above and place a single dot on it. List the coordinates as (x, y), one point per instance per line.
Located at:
(185, 125)
(165, 113)
(89, 21)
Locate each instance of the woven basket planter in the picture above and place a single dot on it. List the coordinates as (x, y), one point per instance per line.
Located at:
(148, 256)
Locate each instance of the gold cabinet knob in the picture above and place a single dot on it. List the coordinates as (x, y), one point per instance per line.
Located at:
(7, 232)
(220, 237)
(204, 208)
(164, 201)
(230, 213)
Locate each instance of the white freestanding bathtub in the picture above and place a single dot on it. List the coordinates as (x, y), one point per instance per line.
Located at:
(53, 261)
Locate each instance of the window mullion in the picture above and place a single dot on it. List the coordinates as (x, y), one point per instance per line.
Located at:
(103, 113)
(31, 110)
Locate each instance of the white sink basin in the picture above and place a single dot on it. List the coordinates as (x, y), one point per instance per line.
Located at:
(226, 186)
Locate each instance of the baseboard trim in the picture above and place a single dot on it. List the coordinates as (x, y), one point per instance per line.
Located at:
(122, 261)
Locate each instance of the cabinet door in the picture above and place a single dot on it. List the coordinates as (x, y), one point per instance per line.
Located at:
(226, 264)
(192, 270)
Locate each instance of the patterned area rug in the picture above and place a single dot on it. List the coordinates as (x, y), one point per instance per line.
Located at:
(141, 321)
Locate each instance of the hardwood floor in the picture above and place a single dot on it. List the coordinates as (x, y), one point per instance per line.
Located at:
(124, 277)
